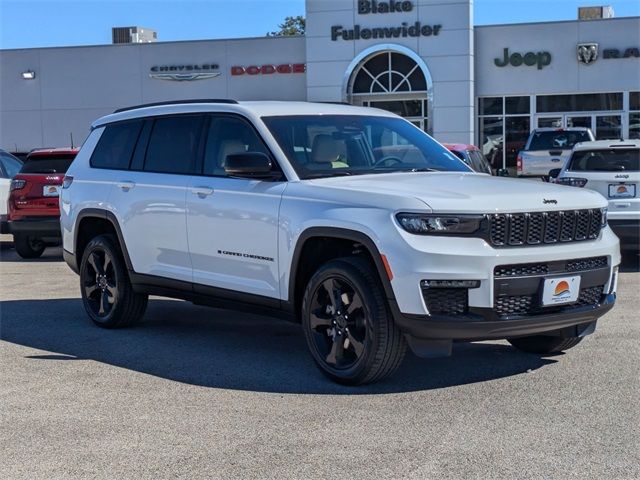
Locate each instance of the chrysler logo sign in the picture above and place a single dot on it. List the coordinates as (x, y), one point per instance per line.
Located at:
(184, 72)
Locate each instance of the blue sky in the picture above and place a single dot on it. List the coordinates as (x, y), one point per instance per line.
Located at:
(46, 23)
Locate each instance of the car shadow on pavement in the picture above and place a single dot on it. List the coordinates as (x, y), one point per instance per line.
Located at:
(630, 261)
(221, 349)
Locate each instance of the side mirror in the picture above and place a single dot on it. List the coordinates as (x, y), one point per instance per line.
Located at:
(502, 172)
(255, 165)
(554, 173)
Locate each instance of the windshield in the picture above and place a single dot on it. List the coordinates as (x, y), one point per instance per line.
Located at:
(334, 145)
(49, 164)
(618, 160)
(558, 140)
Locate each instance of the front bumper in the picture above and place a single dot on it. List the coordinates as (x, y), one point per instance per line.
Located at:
(628, 231)
(480, 324)
(41, 227)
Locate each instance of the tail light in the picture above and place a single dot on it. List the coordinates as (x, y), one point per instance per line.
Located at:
(67, 181)
(17, 184)
(571, 181)
(519, 163)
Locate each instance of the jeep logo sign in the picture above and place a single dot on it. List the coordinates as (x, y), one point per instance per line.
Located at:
(541, 59)
(269, 69)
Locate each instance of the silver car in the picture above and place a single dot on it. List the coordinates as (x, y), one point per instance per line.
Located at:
(549, 148)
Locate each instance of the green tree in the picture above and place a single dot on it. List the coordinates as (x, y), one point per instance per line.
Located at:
(290, 26)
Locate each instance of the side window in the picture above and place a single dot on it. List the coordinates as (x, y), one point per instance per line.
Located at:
(10, 165)
(228, 135)
(115, 147)
(173, 145)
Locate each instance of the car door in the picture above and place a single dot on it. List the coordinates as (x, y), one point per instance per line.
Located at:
(149, 198)
(232, 223)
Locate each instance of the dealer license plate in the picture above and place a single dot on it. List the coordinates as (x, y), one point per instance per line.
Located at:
(51, 190)
(622, 190)
(560, 290)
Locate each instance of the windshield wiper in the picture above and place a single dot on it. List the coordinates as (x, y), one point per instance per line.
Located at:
(424, 169)
(328, 175)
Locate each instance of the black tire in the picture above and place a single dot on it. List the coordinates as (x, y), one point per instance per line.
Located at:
(28, 246)
(105, 287)
(353, 351)
(542, 344)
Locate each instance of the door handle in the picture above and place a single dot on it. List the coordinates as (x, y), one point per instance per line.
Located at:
(202, 192)
(126, 185)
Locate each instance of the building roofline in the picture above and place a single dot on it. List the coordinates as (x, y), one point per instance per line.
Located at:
(554, 22)
(124, 45)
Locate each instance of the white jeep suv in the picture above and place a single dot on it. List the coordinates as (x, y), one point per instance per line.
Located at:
(611, 168)
(349, 220)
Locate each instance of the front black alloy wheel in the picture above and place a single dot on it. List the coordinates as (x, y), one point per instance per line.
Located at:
(348, 327)
(338, 322)
(106, 291)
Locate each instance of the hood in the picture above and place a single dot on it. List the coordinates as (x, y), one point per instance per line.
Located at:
(471, 192)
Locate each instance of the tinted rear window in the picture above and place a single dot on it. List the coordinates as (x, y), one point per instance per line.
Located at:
(618, 160)
(115, 147)
(557, 140)
(49, 164)
(173, 145)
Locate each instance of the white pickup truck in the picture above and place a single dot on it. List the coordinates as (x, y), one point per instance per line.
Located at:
(549, 148)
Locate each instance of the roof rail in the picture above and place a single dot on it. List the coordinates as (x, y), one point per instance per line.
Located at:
(177, 102)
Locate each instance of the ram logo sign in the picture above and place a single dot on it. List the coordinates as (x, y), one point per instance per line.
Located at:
(587, 53)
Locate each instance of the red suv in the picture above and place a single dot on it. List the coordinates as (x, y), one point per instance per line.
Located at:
(33, 209)
(471, 155)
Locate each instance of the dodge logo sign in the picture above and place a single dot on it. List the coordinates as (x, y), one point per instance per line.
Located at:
(587, 53)
(269, 69)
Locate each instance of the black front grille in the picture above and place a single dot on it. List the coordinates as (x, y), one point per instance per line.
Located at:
(514, 229)
(590, 296)
(582, 264)
(532, 269)
(528, 304)
(446, 301)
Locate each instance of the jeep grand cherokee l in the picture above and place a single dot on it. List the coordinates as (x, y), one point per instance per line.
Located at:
(350, 220)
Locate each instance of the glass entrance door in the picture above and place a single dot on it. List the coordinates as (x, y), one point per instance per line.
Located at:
(414, 110)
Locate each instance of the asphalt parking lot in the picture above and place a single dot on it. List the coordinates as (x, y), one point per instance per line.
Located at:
(201, 393)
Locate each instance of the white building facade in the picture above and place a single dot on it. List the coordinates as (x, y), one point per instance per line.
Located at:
(422, 59)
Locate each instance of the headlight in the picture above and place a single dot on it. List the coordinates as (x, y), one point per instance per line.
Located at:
(425, 224)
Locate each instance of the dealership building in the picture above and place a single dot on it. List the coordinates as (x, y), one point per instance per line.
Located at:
(423, 59)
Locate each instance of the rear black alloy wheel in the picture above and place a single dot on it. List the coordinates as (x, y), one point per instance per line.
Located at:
(28, 246)
(99, 282)
(349, 331)
(106, 290)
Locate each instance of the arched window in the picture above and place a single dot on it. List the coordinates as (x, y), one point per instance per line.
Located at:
(393, 78)
(389, 72)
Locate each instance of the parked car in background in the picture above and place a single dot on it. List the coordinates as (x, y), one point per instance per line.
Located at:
(549, 148)
(611, 168)
(9, 167)
(33, 210)
(471, 155)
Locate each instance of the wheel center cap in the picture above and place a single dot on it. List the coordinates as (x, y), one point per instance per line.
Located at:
(102, 282)
(341, 321)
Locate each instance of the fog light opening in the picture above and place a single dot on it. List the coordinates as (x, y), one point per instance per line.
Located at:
(450, 283)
